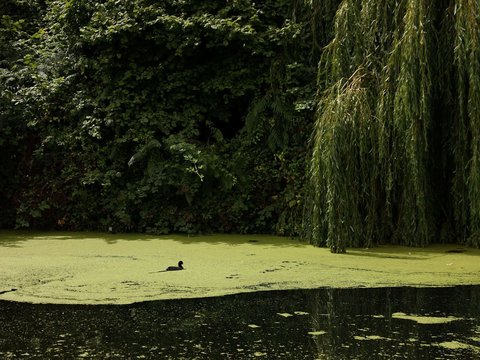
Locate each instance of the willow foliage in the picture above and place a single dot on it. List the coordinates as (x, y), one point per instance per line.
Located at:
(467, 121)
(380, 140)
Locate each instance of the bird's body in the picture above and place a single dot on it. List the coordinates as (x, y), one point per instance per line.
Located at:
(173, 268)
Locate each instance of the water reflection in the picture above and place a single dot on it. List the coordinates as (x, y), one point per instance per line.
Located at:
(373, 323)
(384, 323)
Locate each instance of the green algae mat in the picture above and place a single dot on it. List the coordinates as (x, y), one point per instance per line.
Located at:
(99, 268)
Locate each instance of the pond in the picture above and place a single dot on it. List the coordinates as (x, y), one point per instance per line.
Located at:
(361, 323)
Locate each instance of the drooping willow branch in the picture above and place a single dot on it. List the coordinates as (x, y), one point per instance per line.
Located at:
(375, 153)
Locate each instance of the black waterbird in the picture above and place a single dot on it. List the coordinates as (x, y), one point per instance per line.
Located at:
(173, 268)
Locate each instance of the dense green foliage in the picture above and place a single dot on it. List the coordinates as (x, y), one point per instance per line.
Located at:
(156, 116)
(191, 116)
(396, 154)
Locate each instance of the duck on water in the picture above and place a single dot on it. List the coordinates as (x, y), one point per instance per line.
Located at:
(173, 268)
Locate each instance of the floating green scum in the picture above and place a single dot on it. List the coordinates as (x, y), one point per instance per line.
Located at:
(99, 268)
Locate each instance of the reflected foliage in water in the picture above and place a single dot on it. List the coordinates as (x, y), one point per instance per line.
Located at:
(302, 324)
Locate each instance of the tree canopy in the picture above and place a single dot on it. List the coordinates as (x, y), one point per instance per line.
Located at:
(350, 123)
(156, 116)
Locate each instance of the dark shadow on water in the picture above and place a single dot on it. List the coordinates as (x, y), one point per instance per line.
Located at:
(17, 238)
(298, 324)
(413, 253)
(11, 238)
(386, 256)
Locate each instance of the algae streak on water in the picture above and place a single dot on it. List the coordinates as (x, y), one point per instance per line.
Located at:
(97, 268)
(425, 319)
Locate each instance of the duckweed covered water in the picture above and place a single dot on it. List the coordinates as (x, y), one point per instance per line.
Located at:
(97, 268)
(381, 323)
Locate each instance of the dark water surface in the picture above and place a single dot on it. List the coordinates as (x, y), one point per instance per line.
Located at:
(299, 324)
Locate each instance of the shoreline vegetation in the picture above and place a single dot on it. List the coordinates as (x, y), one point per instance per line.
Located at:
(348, 123)
(102, 268)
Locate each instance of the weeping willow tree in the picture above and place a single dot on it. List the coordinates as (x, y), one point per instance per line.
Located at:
(466, 142)
(396, 145)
